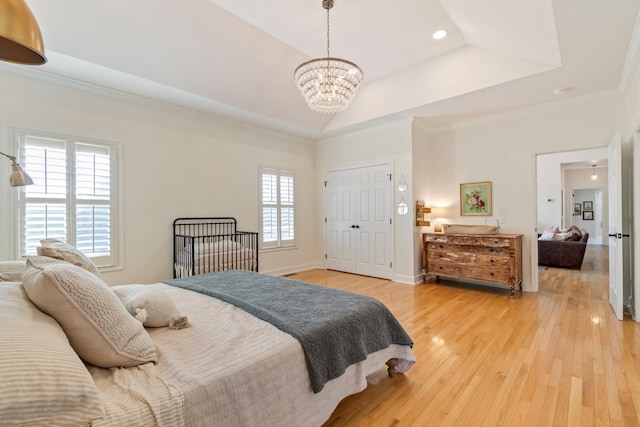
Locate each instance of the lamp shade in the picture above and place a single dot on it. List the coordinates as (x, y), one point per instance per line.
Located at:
(20, 37)
(19, 177)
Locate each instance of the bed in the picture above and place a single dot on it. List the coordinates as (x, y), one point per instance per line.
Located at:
(205, 245)
(227, 368)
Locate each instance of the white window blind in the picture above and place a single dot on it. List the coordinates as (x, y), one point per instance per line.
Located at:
(277, 208)
(73, 196)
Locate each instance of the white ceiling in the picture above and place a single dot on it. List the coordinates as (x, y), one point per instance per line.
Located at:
(236, 58)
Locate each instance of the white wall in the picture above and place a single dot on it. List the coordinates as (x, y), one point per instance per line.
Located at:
(176, 163)
(503, 151)
(389, 143)
(584, 189)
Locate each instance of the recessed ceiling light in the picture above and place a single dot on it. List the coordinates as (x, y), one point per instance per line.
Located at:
(440, 34)
(560, 91)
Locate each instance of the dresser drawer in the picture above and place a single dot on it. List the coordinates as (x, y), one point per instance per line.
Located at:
(479, 258)
(452, 248)
(497, 274)
(496, 242)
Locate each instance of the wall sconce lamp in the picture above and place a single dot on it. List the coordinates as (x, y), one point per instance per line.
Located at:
(20, 37)
(18, 177)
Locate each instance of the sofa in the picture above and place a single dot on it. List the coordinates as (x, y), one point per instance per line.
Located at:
(554, 252)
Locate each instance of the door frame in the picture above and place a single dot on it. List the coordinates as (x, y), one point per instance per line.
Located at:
(533, 256)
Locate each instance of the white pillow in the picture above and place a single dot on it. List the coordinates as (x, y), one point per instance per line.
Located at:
(226, 245)
(12, 266)
(44, 382)
(57, 249)
(201, 248)
(99, 328)
(151, 306)
(547, 236)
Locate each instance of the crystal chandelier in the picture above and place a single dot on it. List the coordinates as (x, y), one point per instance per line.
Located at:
(328, 84)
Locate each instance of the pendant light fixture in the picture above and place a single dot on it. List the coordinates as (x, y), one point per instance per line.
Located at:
(20, 37)
(328, 84)
(594, 177)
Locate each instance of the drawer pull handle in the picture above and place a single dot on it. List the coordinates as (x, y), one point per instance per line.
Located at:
(440, 267)
(492, 260)
(491, 274)
(441, 246)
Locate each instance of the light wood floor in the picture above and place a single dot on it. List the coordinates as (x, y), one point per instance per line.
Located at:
(554, 358)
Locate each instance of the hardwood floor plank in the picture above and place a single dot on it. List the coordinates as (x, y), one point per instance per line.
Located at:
(556, 357)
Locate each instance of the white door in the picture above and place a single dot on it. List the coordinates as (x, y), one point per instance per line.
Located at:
(340, 231)
(616, 273)
(358, 221)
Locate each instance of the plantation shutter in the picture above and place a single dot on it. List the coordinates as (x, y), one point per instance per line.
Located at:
(73, 196)
(277, 208)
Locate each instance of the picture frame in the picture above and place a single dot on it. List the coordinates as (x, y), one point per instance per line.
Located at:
(587, 206)
(475, 199)
(587, 215)
(577, 209)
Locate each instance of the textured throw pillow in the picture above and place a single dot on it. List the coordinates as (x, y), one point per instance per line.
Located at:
(11, 271)
(11, 276)
(151, 306)
(99, 328)
(44, 382)
(57, 249)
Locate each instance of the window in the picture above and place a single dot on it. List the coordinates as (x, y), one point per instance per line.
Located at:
(277, 208)
(73, 198)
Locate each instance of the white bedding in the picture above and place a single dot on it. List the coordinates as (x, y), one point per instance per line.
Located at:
(228, 369)
(232, 369)
(203, 262)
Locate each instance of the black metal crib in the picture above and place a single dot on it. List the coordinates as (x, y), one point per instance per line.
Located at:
(206, 245)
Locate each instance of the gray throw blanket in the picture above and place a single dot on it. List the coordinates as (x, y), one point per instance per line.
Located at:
(335, 328)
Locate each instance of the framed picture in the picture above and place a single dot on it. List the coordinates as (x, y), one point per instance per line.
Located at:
(577, 209)
(475, 198)
(587, 206)
(587, 215)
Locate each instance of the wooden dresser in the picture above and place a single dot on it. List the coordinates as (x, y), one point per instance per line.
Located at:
(491, 258)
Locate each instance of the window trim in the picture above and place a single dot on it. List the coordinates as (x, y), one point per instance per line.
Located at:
(110, 263)
(278, 244)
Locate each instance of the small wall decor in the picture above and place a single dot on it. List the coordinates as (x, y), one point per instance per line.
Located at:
(403, 208)
(402, 185)
(587, 206)
(577, 209)
(587, 215)
(475, 198)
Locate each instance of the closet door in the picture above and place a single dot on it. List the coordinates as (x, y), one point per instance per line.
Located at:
(358, 221)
